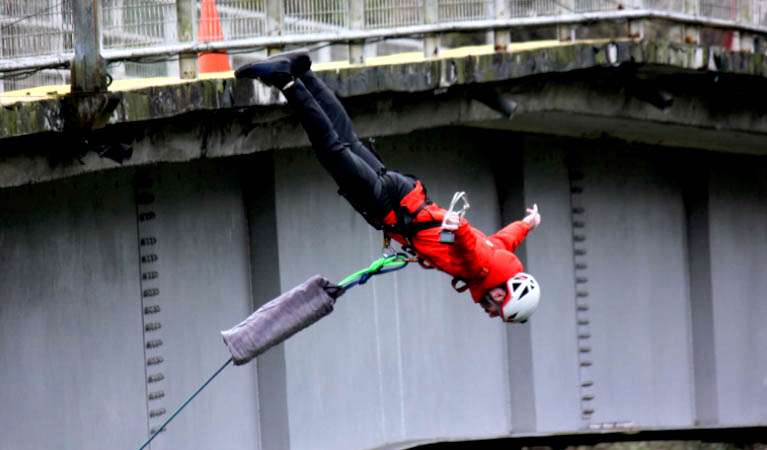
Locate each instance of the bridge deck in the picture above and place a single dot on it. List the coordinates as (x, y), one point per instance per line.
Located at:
(582, 89)
(54, 91)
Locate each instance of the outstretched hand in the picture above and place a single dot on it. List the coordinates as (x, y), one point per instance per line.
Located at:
(533, 218)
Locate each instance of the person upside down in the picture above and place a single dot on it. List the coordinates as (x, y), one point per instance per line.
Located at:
(398, 203)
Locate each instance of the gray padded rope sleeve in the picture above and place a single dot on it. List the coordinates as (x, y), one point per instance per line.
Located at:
(281, 318)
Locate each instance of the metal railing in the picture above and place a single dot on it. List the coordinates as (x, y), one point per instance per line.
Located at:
(137, 23)
(390, 14)
(35, 27)
(38, 34)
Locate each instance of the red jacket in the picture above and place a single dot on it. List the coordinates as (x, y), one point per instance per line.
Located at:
(483, 262)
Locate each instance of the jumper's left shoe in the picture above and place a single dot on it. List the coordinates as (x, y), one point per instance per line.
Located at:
(300, 63)
(274, 71)
(278, 70)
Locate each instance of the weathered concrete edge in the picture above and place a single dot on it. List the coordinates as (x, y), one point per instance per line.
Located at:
(162, 102)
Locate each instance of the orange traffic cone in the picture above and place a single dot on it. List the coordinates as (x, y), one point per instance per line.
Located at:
(210, 30)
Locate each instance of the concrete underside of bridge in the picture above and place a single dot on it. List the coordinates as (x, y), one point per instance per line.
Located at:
(651, 256)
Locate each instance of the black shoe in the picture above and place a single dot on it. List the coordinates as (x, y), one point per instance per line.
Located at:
(274, 71)
(277, 70)
(299, 63)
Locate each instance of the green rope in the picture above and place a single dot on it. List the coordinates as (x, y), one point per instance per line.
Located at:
(381, 265)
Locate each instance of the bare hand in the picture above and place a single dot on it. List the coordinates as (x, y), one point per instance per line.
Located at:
(452, 222)
(533, 218)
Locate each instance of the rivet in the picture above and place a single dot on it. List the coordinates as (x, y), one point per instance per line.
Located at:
(147, 216)
(157, 412)
(155, 360)
(147, 241)
(155, 378)
(154, 343)
(149, 258)
(153, 309)
(156, 395)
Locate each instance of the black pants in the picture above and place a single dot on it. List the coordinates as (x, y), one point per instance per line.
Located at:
(355, 169)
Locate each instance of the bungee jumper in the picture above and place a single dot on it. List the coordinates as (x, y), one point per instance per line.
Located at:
(390, 201)
(398, 203)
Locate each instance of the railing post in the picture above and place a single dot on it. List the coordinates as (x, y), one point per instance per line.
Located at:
(566, 33)
(691, 33)
(356, 22)
(430, 16)
(502, 37)
(274, 19)
(748, 14)
(89, 69)
(185, 16)
(636, 27)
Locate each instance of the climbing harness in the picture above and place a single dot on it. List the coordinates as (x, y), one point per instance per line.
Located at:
(287, 314)
(405, 224)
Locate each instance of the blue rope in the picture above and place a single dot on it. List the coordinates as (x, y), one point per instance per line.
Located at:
(184, 405)
(383, 265)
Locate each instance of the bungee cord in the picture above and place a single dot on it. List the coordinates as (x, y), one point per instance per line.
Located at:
(382, 265)
(385, 264)
(162, 427)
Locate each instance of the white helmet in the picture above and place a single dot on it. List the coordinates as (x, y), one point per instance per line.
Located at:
(522, 297)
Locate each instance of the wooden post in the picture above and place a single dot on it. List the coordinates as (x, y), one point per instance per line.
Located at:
(89, 69)
(748, 14)
(691, 33)
(430, 16)
(274, 18)
(185, 16)
(356, 22)
(566, 33)
(502, 37)
(636, 27)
